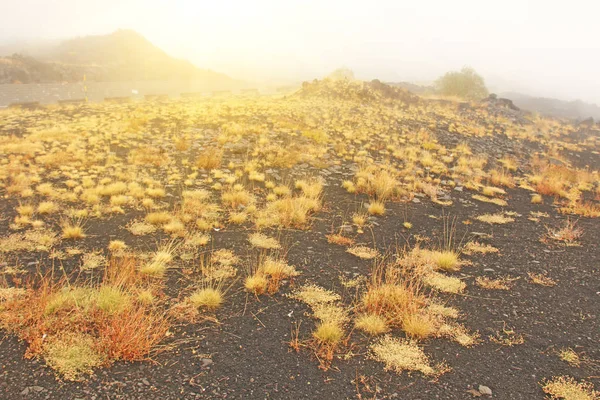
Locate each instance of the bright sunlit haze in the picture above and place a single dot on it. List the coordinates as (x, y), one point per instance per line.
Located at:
(536, 47)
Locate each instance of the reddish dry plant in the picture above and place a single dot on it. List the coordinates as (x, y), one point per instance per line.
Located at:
(569, 233)
(340, 240)
(295, 343)
(133, 335)
(121, 327)
(210, 158)
(325, 351)
(393, 293)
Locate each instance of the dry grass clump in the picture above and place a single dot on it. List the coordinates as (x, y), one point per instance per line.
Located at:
(392, 295)
(288, 212)
(36, 240)
(476, 247)
(268, 275)
(504, 283)
(583, 208)
(148, 155)
(117, 246)
(567, 388)
(360, 219)
(175, 228)
(224, 257)
(569, 233)
(197, 203)
(459, 334)
(376, 207)
(372, 324)
(73, 230)
(311, 188)
(329, 333)
(158, 218)
(493, 200)
(93, 260)
(209, 159)
(197, 240)
(217, 267)
(424, 261)
(76, 327)
(73, 354)
(541, 279)
(395, 294)
(11, 293)
(537, 199)
(492, 191)
(262, 241)
(140, 228)
(349, 186)
(498, 218)
(401, 355)
(340, 239)
(445, 260)
(507, 337)
(238, 217)
(47, 207)
(160, 261)
(502, 178)
(235, 198)
(379, 182)
(256, 284)
(443, 283)
(210, 298)
(419, 326)
(568, 355)
(363, 252)
(314, 295)
(155, 192)
(332, 316)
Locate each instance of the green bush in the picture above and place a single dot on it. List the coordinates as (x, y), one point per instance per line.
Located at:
(465, 83)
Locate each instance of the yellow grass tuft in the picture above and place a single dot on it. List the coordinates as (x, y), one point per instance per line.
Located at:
(364, 252)
(262, 241)
(73, 355)
(209, 298)
(401, 355)
(498, 218)
(537, 199)
(567, 388)
(256, 284)
(372, 324)
(73, 230)
(441, 282)
(569, 356)
(504, 283)
(446, 260)
(117, 246)
(329, 333)
(158, 218)
(493, 200)
(47, 207)
(376, 208)
(541, 279)
(418, 326)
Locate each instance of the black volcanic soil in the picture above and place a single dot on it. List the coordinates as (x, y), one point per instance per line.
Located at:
(245, 355)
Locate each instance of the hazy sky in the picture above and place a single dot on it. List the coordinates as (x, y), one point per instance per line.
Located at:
(541, 47)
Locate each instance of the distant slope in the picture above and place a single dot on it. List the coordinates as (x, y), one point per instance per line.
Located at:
(577, 109)
(413, 88)
(121, 56)
(22, 69)
(344, 89)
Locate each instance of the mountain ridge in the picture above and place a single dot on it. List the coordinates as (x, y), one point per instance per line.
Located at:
(119, 56)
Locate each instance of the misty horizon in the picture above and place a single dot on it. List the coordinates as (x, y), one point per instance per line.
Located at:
(515, 46)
